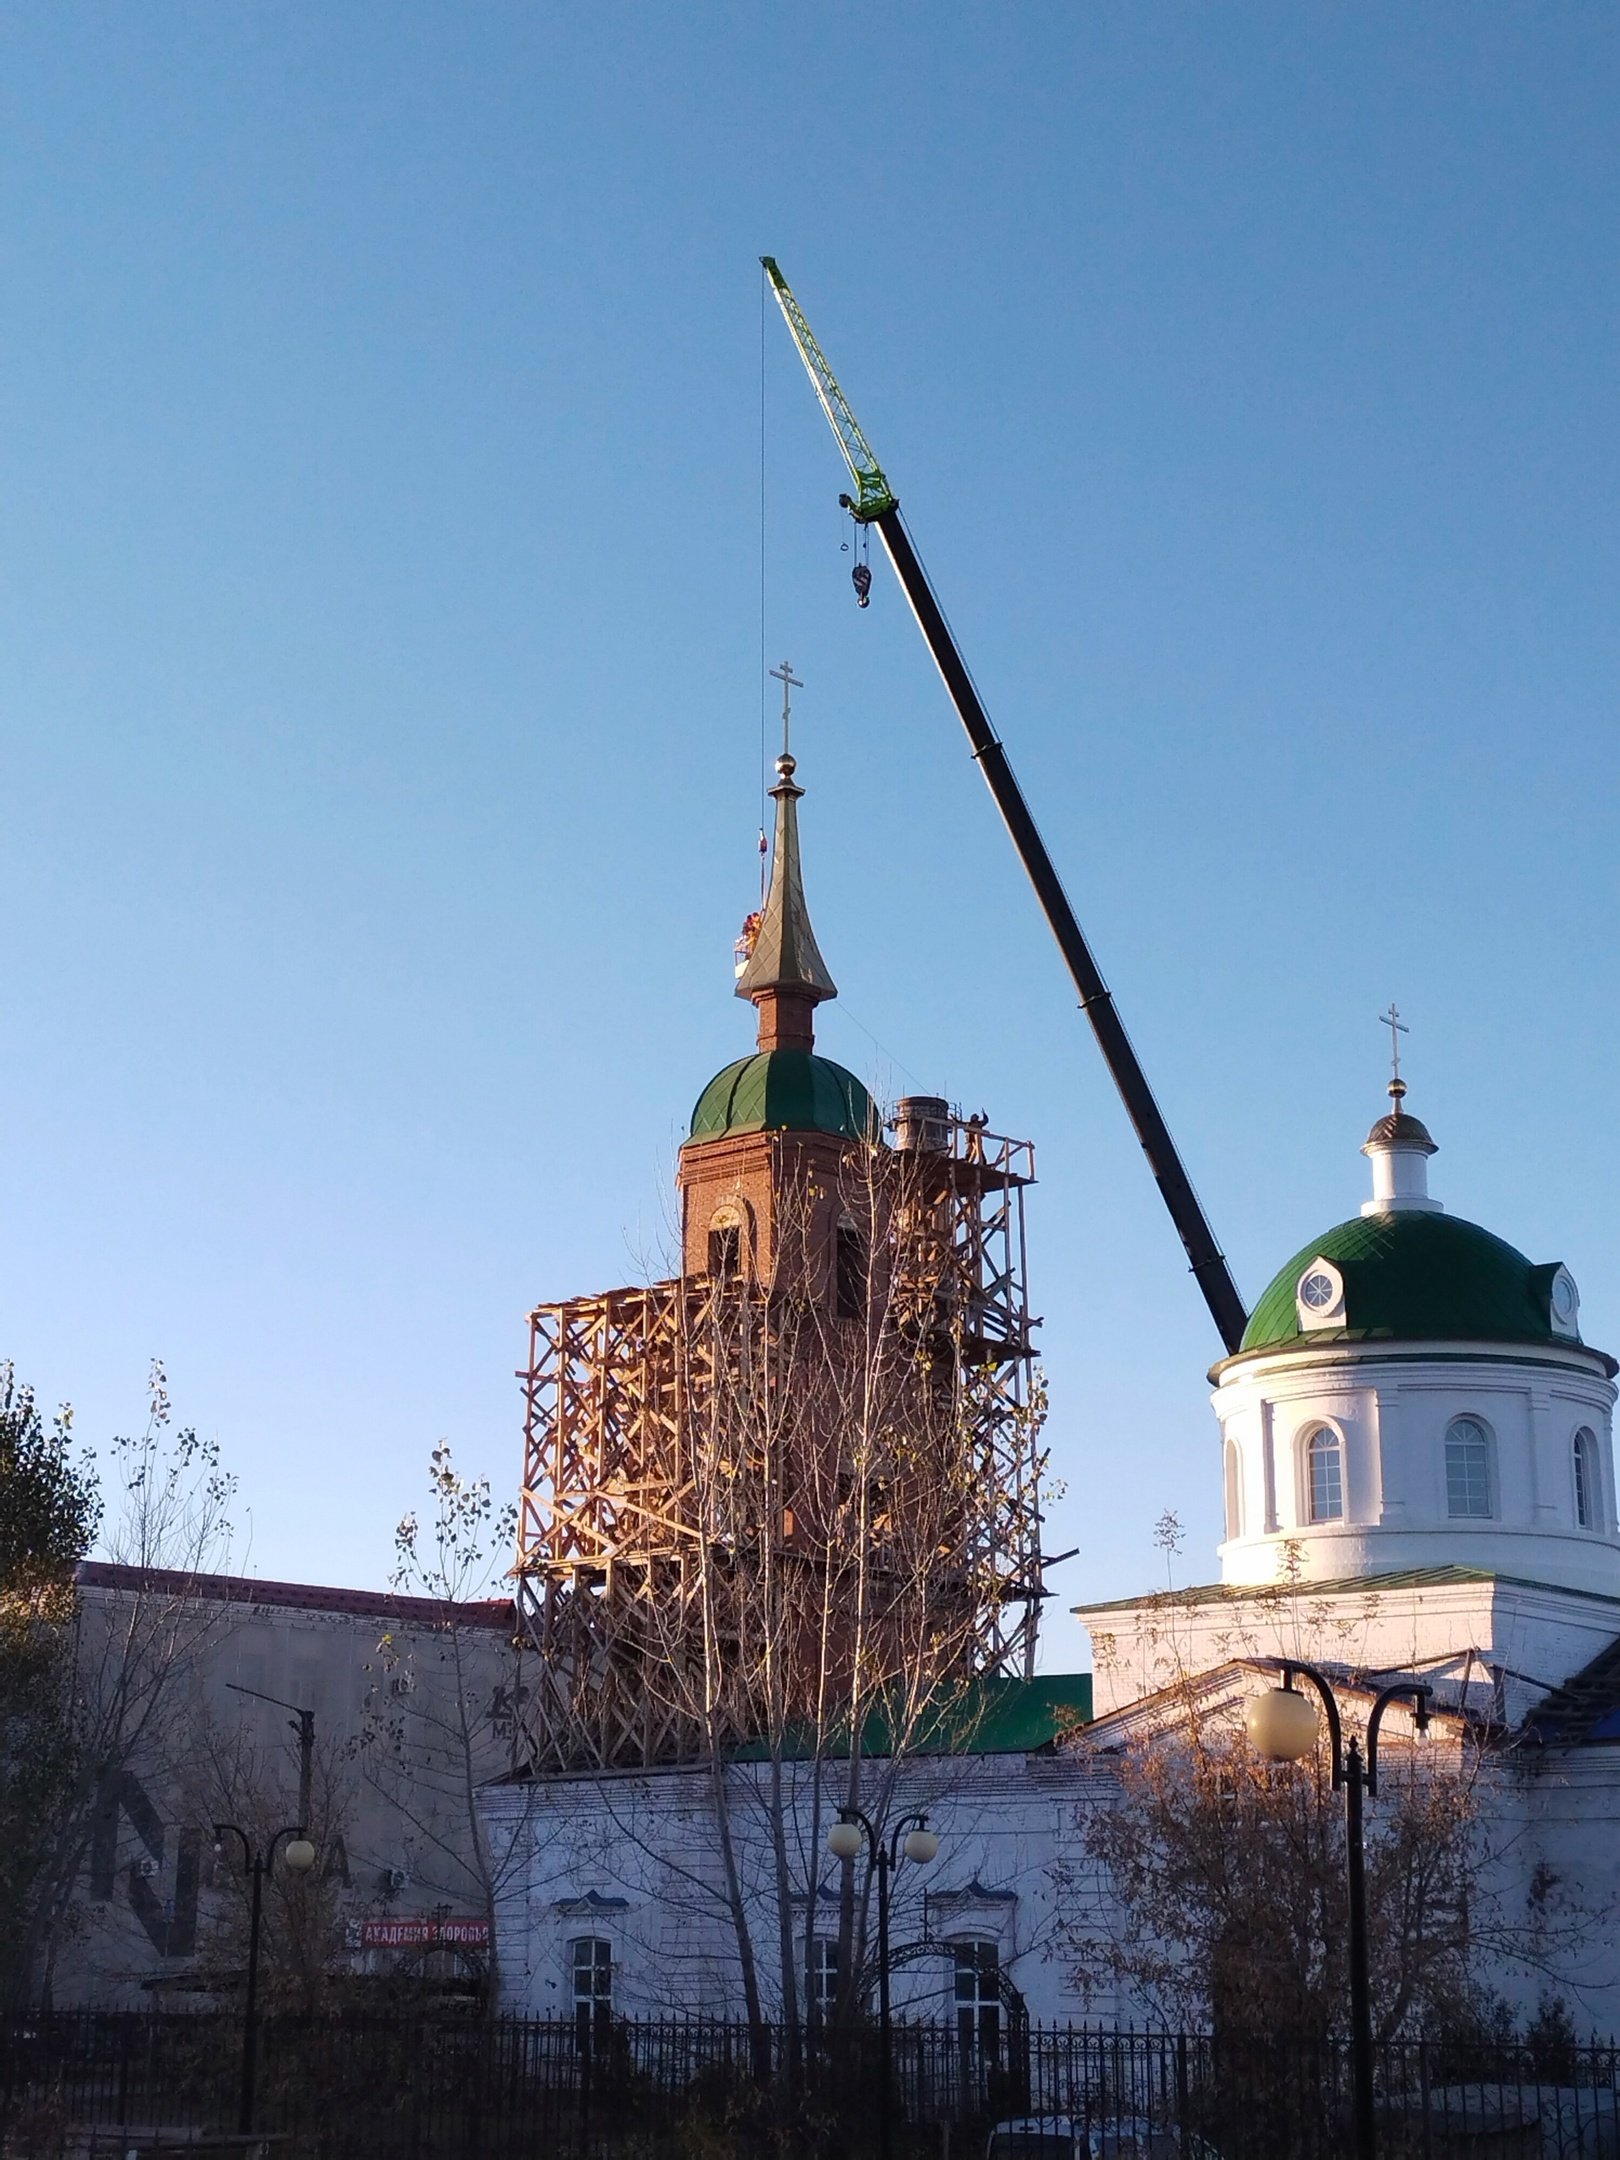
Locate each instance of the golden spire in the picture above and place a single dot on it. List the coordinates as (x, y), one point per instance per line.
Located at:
(786, 977)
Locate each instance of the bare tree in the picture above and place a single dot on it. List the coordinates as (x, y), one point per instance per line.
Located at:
(817, 1556)
(1215, 1891)
(440, 1713)
(304, 1936)
(141, 1636)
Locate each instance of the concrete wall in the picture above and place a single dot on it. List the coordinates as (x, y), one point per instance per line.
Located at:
(161, 1660)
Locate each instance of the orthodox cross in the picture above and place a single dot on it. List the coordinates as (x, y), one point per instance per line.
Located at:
(1397, 1028)
(790, 682)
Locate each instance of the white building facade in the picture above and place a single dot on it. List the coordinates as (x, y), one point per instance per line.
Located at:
(1416, 1447)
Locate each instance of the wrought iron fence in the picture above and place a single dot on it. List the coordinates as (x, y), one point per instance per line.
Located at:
(79, 2084)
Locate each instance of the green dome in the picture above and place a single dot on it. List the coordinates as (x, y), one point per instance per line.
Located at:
(783, 1091)
(1413, 1276)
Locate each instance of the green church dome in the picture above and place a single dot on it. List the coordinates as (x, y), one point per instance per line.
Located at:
(783, 1091)
(1414, 1276)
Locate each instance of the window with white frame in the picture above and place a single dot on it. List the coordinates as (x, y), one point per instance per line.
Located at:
(978, 1996)
(1584, 1455)
(591, 1963)
(1468, 1469)
(1324, 1476)
(823, 1976)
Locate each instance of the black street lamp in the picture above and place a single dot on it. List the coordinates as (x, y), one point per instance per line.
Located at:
(912, 1837)
(299, 1857)
(1282, 1725)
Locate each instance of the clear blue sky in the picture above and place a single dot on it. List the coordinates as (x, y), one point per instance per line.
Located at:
(379, 666)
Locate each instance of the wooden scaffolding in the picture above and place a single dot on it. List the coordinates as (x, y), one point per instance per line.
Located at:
(716, 1470)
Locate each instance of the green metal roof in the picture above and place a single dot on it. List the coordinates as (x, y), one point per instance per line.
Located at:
(784, 1091)
(1419, 1578)
(990, 1716)
(1413, 1277)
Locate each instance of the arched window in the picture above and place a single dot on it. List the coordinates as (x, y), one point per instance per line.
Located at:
(725, 1243)
(849, 1257)
(1584, 1454)
(1324, 1476)
(591, 1960)
(1234, 1498)
(1468, 1469)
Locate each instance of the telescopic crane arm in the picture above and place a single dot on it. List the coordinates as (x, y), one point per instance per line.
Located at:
(875, 503)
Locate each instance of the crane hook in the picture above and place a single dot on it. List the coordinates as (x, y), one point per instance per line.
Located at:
(861, 578)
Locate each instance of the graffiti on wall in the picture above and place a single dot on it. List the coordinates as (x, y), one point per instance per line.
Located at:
(170, 1921)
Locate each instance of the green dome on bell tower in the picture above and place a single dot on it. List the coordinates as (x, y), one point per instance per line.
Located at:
(784, 1091)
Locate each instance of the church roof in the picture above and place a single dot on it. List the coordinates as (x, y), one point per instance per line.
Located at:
(991, 1715)
(784, 1091)
(1396, 1129)
(1585, 1711)
(1414, 1277)
(1443, 1575)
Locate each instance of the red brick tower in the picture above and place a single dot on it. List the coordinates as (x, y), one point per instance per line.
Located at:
(782, 1122)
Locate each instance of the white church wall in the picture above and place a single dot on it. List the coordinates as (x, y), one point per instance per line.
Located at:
(1551, 1819)
(1508, 1643)
(1391, 1411)
(635, 1861)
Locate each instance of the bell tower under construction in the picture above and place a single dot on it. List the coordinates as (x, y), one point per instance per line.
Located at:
(799, 1481)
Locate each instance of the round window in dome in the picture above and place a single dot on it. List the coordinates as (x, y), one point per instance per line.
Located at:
(1319, 1295)
(1566, 1302)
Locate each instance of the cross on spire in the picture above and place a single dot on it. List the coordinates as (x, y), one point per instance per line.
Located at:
(790, 682)
(1397, 1028)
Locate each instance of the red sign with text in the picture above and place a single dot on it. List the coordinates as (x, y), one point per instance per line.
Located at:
(423, 1934)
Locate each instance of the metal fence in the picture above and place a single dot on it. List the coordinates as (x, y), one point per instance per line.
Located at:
(80, 2084)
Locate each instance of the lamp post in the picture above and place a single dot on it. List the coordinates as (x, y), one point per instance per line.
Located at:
(303, 1724)
(1282, 1725)
(912, 1837)
(299, 1857)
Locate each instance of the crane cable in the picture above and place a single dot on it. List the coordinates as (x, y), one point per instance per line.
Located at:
(764, 316)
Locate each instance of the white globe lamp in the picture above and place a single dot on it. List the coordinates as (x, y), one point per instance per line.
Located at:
(1281, 1723)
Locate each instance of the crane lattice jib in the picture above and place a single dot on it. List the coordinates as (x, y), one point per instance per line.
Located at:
(873, 494)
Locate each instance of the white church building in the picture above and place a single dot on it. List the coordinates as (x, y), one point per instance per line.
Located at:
(1415, 1444)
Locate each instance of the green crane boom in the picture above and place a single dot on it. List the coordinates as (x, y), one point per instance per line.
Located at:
(875, 503)
(873, 494)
